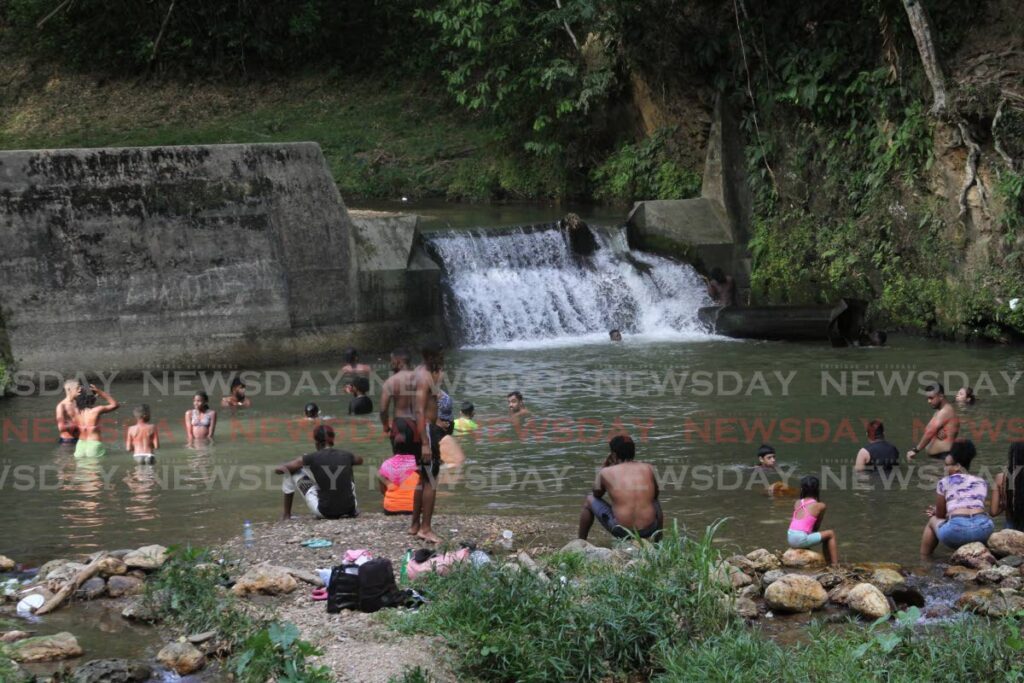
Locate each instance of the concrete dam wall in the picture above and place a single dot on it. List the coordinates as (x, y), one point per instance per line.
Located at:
(145, 258)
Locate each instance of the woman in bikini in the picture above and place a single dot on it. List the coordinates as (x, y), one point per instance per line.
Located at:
(200, 422)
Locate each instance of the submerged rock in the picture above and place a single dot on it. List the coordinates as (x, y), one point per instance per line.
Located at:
(867, 600)
(961, 573)
(265, 579)
(795, 593)
(112, 671)
(799, 557)
(973, 555)
(183, 658)
(148, 557)
(1006, 542)
(45, 648)
(991, 603)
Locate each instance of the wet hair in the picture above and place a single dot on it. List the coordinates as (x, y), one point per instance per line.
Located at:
(349, 355)
(936, 388)
(206, 400)
(86, 398)
(311, 409)
(516, 394)
(623, 447)
(810, 487)
(963, 452)
(876, 430)
(1015, 483)
(433, 355)
(403, 355)
(764, 450)
(615, 334)
(717, 274)
(467, 408)
(237, 382)
(971, 398)
(323, 435)
(361, 384)
(141, 412)
(72, 384)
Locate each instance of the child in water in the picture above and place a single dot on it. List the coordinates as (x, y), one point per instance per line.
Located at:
(141, 439)
(804, 527)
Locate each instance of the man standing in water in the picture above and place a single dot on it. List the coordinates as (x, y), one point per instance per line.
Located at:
(941, 431)
(67, 412)
(399, 390)
(633, 489)
(237, 397)
(88, 420)
(427, 381)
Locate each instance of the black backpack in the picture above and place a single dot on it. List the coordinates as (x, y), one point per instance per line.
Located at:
(342, 589)
(377, 587)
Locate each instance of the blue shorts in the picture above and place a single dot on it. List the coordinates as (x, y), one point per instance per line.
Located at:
(603, 513)
(961, 530)
(800, 539)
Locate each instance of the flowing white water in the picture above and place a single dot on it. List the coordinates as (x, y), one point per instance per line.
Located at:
(526, 288)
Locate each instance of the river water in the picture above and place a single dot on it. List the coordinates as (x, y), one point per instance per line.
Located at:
(698, 407)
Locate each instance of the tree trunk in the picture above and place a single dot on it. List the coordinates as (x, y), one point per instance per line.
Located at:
(926, 47)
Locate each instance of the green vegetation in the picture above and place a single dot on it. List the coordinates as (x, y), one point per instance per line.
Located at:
(187, 594)
(645, 170)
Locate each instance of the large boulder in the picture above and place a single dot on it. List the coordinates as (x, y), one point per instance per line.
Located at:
(181, 657)
(118, 586)
(868, 601)
(887, 580)
(590, 551)
(795, 593)
(149, 557)
(1006, 542)
(840, 595)
(6, 563)
(762, 560)
(973, 555)
(266, 579)
(112, 671)
(45, 648)
(797, 558)
(991, 603)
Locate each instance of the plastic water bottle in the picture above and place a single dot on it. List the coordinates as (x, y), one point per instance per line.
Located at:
(247, 536)
(506, 539)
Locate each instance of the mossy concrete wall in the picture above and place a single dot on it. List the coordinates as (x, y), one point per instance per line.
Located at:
(140, 258)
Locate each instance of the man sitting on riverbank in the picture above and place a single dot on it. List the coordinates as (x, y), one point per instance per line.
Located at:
(323, 478)
(879, 453)
(633, 489)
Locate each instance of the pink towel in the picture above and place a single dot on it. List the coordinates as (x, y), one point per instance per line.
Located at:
(356, 556)
(437, 563)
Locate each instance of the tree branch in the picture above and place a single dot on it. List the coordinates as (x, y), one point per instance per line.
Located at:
(64, 5)
(160, 35)
(565, 23)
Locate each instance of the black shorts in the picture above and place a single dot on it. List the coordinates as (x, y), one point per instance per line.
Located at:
(403, 436)
(429, 471)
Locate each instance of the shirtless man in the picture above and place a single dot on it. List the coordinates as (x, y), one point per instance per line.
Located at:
(67, 411)
(633, 490)
(88, 420)
(721, 288)
(398, 390)
(237, 397)
(142, 439)
(942, 429)
(426, 382)
(352, 369)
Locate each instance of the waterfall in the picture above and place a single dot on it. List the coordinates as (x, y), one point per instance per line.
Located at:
(525, 287)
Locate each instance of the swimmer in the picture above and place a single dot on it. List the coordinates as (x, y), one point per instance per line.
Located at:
(237, 397)
(88, 420)
(465, 423)
(397, 396)
(67, 411)
(941, 431)
(141, 439)
(516, 406)
(965, 397)
(361, 404)
(766, 458)
(312, 412)
(879, 453)
(353, 369)
(615, 335)
(200, 422)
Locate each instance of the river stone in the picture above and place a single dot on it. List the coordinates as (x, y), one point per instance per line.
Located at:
(118, 586)
(800, 557)
(149, 557)
(590, 551)
(140, 609)
(795, 593)
(726, 574)
(973, 555)
(1006, 542)
(45, 648)
(1014, 582)
(200, 638)
(65, 572)
(742, 563)
(997, 573)
(6, 563)
(753, 591)
(184, 658)
(762, 560)
(830, 580)
(887, 580)
(868, 601)
(746, 608)
(840, 595)
(44, 571)
(266, 579)
(771, 577)
(112, 566)
(91, 589)
(991, 603)
(961, 573)
(11, 636)
(112, 671)
(1012, 561)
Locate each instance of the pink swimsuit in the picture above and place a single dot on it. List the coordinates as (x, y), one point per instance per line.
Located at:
(805, 525)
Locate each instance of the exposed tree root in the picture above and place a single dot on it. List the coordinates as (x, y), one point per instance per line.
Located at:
(971, 177)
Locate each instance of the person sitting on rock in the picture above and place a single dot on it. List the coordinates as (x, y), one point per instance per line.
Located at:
(805, 526)
(324, 479)
(959, 515)
(879, 453)
(398, 476)
(633, 489)
(1008, 487)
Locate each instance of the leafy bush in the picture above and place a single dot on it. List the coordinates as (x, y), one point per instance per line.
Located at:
(647, 170)
(277, 653)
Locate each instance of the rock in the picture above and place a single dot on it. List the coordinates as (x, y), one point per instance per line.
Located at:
(726, 574)
(140, 609)
(530, 565)
(112, 671)
(266, 579)
(840, 595)
(1012, 582)
(961, 573)
(830, 580)
(973, 555)
(937, 611)
(11, 636)
(591, 552)
(991, 603)
(149, 557)
(799, 557)
(771, 577)
(887, 580)
(112, 566)
(91, 589)
(118, 586)
(6, 563)
(65, 572)
(996, 574)
(45, 648)
(1012, 561)
(198, 638)
(746, 608)
(762, 560)
(868, 601)
(1006, 542)
(120, 554)
(44, 571)
(907, 596)
(795, 593)
(752, 591)
(184, 658)
(742, 563)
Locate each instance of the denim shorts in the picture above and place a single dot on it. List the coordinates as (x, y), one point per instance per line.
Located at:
(961, 530)
(800, 539)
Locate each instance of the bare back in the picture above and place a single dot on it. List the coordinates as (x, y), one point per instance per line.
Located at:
(633, 490)
(142, 438)
(399, 390)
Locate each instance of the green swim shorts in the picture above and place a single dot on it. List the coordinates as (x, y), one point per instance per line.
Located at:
(90, 449)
